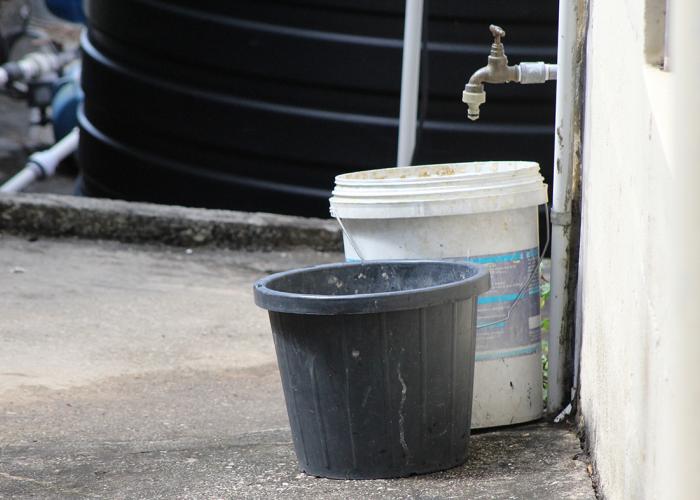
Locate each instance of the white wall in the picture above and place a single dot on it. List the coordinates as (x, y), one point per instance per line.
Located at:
(623, 281)
(681, 402)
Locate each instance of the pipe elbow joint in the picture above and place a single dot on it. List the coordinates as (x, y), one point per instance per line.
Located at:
(474, 95)
(479, 77)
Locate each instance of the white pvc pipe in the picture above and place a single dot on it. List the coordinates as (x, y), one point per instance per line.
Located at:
(410, 77)
(22, 179)
(561, 200)
(37, 64)
(42, 164)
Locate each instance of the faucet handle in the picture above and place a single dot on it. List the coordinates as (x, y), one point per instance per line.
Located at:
(497, 33)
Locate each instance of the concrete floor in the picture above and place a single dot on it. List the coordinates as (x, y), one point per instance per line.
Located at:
(131, 371)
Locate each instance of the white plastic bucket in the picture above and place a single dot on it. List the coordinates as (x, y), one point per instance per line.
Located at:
(485, 212)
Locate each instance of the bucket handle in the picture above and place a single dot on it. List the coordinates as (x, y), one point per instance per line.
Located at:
(521, 292)
(347, 234)
(526, 285)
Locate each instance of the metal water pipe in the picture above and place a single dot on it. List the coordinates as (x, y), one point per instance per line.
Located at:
(498, 71)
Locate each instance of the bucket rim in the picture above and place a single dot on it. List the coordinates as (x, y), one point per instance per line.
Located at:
(477, 282)
(457, 192)
(465, 203)
(392, 175)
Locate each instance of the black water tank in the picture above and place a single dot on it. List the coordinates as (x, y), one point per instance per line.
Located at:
(257, 105)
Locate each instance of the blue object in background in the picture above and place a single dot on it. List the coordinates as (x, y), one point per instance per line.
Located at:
(64, 108)
(70, 10)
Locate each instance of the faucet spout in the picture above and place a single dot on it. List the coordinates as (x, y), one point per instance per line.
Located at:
(473, 96)
(498, 71)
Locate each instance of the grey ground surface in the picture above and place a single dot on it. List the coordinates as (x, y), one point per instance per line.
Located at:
(132, 371)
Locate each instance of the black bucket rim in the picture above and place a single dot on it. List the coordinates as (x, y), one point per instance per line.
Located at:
(476, 283)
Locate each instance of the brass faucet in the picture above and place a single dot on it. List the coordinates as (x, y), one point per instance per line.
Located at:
(498, 71)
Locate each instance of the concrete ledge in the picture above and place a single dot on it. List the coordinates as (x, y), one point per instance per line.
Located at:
(130, 222)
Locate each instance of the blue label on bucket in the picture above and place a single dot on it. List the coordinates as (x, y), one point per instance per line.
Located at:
(520, 334)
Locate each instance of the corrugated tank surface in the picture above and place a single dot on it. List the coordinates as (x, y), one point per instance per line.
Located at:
(257, 105)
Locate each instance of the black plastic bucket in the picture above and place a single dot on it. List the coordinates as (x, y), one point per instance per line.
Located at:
(377, 364)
